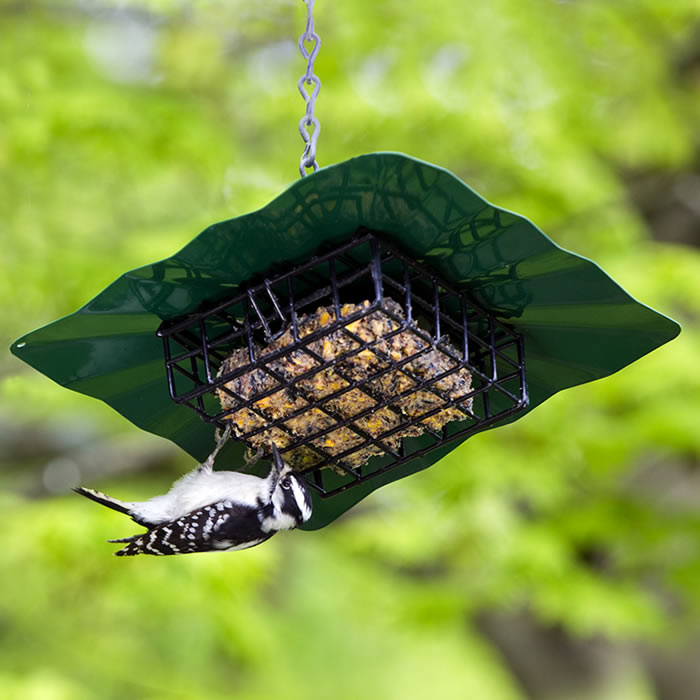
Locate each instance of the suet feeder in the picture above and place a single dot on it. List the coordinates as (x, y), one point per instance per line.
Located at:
(367, 321)
(334, 383)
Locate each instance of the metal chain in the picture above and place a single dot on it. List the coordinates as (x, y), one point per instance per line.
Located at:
(308, 157)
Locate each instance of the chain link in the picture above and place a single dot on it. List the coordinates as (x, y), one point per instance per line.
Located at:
(308, 157)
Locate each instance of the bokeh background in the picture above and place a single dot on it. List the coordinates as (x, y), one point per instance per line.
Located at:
(555, 558)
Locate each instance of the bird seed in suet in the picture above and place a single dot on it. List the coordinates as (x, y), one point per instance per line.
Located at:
(372, 361)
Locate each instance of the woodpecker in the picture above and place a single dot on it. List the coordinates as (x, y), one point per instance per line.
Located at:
(209, 510)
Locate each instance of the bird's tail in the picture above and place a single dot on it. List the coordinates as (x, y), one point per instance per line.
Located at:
(104, 499)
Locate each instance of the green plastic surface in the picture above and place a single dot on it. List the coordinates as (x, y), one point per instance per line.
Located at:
(578, 324)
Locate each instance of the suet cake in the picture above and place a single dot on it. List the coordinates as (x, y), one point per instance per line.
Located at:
(372, 361)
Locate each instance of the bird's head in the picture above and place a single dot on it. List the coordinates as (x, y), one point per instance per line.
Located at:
(289, 495)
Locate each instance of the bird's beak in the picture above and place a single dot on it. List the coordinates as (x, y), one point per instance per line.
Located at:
(277, 466)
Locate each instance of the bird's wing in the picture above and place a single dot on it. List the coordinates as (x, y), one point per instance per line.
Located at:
(219, 526)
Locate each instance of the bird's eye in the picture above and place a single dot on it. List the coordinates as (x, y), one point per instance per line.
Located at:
(286, 482)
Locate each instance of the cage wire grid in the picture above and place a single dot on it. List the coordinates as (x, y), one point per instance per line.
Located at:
(433, 315)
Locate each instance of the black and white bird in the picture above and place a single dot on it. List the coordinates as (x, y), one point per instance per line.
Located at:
(209, 510)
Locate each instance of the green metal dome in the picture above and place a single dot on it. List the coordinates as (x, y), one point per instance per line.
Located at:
(577, 323)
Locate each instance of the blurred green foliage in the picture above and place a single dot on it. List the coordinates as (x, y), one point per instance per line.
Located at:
(128, 128)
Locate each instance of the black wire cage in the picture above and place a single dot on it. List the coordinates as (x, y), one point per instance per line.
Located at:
(351, 363)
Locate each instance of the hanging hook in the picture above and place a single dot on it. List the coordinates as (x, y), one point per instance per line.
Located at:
(308, 157)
